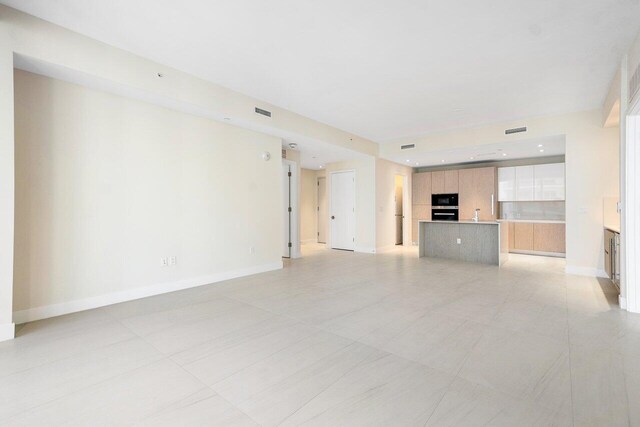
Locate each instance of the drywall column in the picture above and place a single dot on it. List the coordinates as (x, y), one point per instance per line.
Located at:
(7, 164)
(631, 206)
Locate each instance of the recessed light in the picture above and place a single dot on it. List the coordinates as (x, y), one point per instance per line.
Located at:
(504, 154)
(539, 145)
(417, 163)
(321, 166)
(471, 158)
(542, 150)
(160, 75)
(408, 161)
(442, 161)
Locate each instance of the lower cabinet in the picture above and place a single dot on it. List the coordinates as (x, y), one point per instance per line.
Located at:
(538, 237)
(417, 213)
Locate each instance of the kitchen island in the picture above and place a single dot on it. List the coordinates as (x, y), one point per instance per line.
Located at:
(485, 242)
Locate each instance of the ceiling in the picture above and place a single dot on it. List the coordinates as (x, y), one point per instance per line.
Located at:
(316, 155)
(524, 149)
(379, 69)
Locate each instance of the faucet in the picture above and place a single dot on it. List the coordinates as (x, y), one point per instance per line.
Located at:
(476, 216)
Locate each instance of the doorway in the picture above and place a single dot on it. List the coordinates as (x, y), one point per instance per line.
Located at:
(343, 210)
(322, 210)
(399, 208)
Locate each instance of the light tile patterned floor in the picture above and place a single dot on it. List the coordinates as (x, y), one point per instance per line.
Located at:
(338, 338)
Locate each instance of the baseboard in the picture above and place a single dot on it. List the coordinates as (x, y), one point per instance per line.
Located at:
(538, 253)
(384, 249)
(7, 331)
(622, 301)
(307, 241)
(365, 249)
(585, 271)
(44, 312)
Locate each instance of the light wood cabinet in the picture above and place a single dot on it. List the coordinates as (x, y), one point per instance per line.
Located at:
(537, 237)
(549, 237)
(437, 182)
(418, 212)
(421, 188)
(451, 181)
(477, 190)
(523, 236)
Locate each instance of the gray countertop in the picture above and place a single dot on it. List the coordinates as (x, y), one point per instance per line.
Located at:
(462, 222)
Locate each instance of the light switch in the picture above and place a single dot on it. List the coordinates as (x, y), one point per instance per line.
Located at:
(459, 241)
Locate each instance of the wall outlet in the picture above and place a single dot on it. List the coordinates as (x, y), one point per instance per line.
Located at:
(459, 241)
(173, 260)
(164, 261)
(252, 250)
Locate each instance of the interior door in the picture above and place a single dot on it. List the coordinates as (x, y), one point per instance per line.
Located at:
(343, 210)
(322, 210)
(286, 210)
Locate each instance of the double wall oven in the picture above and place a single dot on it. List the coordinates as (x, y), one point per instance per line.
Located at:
(444, 207)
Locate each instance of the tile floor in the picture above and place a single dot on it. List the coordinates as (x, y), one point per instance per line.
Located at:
(338, 338)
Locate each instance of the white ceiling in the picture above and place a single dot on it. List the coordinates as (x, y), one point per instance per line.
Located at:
(379, 69)
(524, 149)
(316, 155)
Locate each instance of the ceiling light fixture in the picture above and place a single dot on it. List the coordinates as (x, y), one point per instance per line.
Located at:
(504, 154)
(539, 145)
(293, 145)
(160, 75)
(443, 161)
(408, 161)
(542, 150)
(471, 158)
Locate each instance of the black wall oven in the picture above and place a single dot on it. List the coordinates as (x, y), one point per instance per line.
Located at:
(444, 200)
(444, 214)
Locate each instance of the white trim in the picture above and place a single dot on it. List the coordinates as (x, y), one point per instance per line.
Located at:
(538, 253)
(585, 271)
(630, 225)
(622, 301)
(365, 249)
(44, 312)
(294, 195)
(385, 249)
(7, 331)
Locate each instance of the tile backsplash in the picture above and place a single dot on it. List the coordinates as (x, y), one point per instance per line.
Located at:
(553, 211)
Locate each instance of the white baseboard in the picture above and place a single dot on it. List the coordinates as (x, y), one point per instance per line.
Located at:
(307, 241)
(622, 301)
(44, 312)
(384, 249)
(365, 249)
(585, 271)
(7, 331)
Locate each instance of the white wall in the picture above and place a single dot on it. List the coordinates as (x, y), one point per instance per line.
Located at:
(591, 166)
(106, 186)
(6, 185)
(386, 172)
(308, 206)
(365, 169)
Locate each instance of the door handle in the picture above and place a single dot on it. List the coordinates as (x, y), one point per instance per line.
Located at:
(492, 205)
(333, 217)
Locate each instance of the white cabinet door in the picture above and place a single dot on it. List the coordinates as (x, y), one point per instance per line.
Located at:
(525, 183)
(507, 184)
(549, 181)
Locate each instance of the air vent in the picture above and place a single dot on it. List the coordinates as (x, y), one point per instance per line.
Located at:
(263, 112)
(408, 146)
(515, 130)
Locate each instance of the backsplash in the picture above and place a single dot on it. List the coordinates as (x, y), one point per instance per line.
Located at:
(553, 211)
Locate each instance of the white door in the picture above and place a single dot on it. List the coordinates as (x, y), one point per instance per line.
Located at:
(286, 209)
(322, 210)
(343, 196)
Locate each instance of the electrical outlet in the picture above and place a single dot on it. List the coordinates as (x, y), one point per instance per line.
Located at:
(173, 260)
(164, 261)
(459, 241)
(252, 250)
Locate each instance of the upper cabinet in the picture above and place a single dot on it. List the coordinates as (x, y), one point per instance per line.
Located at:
(507, 184)
(549, 182)
(444, 182)
(421, 188)
(531, 183)
(477, 191)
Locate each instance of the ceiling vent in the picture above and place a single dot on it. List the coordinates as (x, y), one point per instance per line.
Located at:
(263, 112)
(408, 146)
(515, 130)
